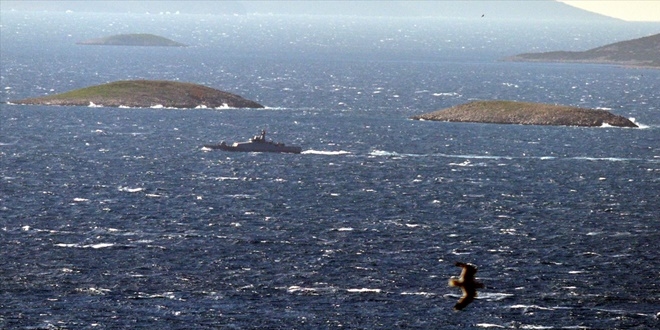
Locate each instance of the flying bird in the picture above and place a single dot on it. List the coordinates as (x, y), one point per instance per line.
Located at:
(467, 283)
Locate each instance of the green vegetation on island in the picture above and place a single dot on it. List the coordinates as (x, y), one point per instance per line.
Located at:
(138, 39)
(641, 52)
(526, 113)
(145, 94)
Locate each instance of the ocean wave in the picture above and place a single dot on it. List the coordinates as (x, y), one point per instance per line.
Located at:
(489, 325)
(424, 294)
(130, 190)
(527, 308)
(364, 290)
(468, 157)
(383, 153)
(91, 246)
(495, 296)
(326, 153)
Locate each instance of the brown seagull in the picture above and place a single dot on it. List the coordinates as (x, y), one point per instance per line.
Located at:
(467, 283)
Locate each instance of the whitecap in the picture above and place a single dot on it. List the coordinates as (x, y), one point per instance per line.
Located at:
(639, 125)
(80, 200)
(67, 245)
(364, 290)
(92, 246)
(611, 159)
(489, 325)
(535, 327)
(93, 291)
(130, 190)
(99, 245)
(528, 307)
(496, 296)
(166, 295)
(383, 153)
(225, 178)
(327, 153)
(93, 105)
(446, 94)
(295, 288)
(463, 164)
(241, 196)
(460, 252)
(425, 294)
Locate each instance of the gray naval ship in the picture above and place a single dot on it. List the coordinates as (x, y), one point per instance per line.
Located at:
(257, 143)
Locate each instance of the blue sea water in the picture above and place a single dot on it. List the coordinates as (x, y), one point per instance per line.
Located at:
(118, 218)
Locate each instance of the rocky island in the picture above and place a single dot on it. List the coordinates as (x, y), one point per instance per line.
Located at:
(145, 94)
(642, 52)
(138, 39)
(526, 113)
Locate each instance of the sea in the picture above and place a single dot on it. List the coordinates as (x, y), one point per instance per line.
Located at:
(118, 218)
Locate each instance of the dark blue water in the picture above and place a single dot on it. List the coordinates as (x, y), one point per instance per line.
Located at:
(118, 218)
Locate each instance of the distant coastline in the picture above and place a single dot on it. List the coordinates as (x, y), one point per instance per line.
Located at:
(135, 39)
(640, 53)
(526, 113)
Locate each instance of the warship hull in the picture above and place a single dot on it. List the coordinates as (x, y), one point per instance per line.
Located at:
(256, 144)
(253, 147)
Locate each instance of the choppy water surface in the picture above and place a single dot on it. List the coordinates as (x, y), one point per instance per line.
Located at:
(117, 218)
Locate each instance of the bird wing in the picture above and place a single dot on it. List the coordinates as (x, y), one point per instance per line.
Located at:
(466, 299)
(467, 274)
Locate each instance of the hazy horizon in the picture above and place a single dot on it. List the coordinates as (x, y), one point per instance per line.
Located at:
(528, 10)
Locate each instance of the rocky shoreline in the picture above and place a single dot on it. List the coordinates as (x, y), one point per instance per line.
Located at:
(145, 94)
(526, 113)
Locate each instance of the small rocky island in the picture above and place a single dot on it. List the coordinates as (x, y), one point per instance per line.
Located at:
(526, 113)
(138, 39)
(641, 52)
(145, 94)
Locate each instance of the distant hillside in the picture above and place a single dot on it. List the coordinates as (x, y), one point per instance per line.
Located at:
(145, 94)
(526, 113)
(517, 10)
(642, 52)
(141, 39)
